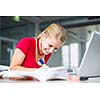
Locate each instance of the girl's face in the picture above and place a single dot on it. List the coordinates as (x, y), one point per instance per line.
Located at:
(50, 45)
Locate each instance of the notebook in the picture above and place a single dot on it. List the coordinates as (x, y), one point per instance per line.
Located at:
(90, 65)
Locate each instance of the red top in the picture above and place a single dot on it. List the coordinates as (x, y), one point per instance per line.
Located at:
(28, 46)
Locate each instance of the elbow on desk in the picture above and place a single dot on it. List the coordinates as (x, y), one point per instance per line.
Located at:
(13, 67)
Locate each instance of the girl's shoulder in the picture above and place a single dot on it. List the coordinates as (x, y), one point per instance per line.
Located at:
(25, 43)
(27, 40)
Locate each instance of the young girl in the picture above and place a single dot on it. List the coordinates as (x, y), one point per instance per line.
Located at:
(30, 50)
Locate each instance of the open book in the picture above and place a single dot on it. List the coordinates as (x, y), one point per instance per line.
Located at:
(41, 74)
(3, 68)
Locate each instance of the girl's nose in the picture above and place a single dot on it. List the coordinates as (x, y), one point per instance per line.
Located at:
(52, 50)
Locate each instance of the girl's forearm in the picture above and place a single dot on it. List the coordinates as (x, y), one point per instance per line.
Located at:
(21, 68)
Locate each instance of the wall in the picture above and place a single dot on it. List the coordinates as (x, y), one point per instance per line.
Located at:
(19, 32)
(56, 59)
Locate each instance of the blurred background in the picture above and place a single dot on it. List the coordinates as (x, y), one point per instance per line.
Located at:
(13, 28)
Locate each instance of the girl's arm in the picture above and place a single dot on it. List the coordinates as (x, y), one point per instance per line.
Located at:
(17, 61)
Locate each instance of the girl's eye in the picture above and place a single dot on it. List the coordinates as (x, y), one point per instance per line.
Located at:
(50, 46)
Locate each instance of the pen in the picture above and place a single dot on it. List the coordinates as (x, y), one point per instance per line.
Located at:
(42, 62)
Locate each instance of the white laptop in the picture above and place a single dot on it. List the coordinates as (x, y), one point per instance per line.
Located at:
(90, 65)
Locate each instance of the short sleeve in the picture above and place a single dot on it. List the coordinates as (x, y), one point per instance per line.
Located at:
(24, 45)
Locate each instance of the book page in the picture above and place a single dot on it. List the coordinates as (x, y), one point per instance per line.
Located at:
(42, 74)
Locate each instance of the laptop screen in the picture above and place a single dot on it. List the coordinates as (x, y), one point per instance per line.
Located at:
(90, 65)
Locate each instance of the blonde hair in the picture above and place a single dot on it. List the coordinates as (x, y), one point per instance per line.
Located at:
(56, 31)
